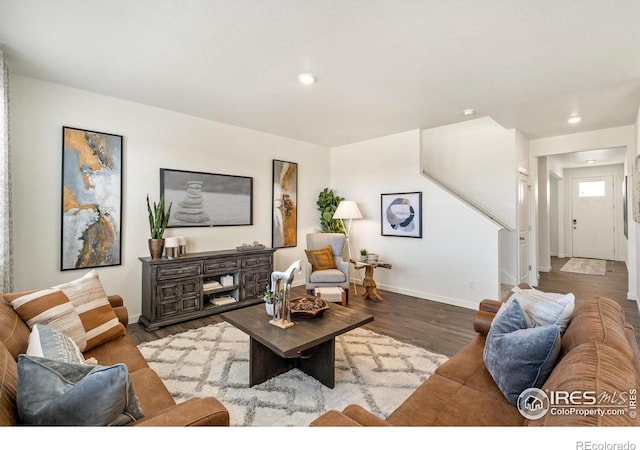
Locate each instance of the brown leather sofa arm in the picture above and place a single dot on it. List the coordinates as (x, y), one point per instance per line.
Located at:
(115, 300)
(117, 304)
(482, 322)
(205, 411)
(351, 416)
(490, 305)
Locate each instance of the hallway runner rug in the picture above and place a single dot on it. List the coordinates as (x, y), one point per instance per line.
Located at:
(586, 266)
(372, 370)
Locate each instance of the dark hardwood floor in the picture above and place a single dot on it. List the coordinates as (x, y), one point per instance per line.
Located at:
(443, 328)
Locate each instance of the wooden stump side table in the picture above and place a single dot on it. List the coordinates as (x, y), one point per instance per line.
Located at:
(371, 290)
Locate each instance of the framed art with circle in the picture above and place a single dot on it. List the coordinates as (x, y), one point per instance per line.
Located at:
(401, 214)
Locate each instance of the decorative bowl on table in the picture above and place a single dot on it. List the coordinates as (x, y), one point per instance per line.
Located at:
(307, 308)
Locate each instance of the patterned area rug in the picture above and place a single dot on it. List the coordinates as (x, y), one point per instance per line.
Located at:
(586, 266)
(372, 370)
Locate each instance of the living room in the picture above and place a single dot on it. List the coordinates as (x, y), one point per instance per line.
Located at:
(453, 262)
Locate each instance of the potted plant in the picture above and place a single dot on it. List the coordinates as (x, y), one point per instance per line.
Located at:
(363, 254)
(158, 220)
(269, 299)
(327, 204)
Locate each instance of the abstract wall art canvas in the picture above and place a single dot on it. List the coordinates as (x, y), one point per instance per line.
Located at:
(284, 230)
(91, 199)
(200, 199)
(401, 214)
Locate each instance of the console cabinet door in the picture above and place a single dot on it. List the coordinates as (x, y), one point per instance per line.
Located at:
(255, 282)
(178, 297)
(256, 274)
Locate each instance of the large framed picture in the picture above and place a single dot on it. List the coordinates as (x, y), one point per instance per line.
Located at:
(91, 199)
(284, 230)
(200, 199)
(401, 214)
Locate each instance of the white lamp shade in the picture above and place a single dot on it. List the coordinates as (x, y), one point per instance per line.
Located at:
(347, 209)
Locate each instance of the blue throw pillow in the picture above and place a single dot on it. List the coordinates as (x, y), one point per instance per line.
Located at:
(59, 393)
(519, 355)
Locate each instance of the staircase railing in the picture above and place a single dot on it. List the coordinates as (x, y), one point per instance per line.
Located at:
(467, 200)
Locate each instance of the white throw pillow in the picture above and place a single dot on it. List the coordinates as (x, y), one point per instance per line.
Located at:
(545, 308)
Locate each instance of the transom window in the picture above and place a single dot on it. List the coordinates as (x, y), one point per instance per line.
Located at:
(591, 189)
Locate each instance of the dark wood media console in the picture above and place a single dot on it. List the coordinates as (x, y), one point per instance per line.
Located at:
(200, 284)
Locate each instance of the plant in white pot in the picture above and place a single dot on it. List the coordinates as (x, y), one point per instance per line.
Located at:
(270, 298)
(158, 220)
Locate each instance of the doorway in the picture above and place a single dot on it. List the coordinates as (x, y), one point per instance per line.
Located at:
(593, 217)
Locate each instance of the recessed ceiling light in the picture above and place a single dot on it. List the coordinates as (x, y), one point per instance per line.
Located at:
(574, 119)
(591, 161)
(306, 78)
(468, 111)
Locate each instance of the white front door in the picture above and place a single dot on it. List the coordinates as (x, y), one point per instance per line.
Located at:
(592, 217)
(523, 228)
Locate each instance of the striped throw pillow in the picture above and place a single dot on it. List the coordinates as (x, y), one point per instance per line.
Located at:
(49, 307)
(90, 301)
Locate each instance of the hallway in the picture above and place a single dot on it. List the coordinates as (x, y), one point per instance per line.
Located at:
(614, 285)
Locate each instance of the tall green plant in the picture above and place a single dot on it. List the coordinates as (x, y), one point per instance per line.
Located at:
(327, 203)
(158, 218)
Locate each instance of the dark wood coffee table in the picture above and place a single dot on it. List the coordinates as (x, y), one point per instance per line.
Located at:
(309, 345)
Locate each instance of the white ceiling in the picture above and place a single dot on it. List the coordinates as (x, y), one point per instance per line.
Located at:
(600, 157)
(383, 66)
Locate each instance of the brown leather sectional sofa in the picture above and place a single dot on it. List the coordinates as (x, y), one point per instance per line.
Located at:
(157, 403)
(599, 355)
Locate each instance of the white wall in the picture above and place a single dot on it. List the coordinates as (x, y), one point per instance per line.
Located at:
(590, 140)
(455, 262)
(153, 139)
(478, 158)
(544, 257)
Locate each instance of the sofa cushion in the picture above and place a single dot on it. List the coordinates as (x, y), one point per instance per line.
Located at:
(8, 388)
(321, 259)
(58, 393)
(518, 355)
(467, 367)
(440, 401)
(545, 308)
(47, 342)
(328, 276)
(14, 333)
(119, 350)
(598, 369)
(80, 309)
(598, 320)
(152, 392)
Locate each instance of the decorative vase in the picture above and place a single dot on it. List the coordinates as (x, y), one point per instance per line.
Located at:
(156, 247)
(269, 307)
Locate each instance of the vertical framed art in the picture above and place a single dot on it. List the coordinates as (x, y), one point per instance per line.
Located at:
(91, 199)
(284, 230)
(401, 214)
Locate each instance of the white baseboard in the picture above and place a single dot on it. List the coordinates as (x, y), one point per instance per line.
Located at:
(632, 296)
(428, 296)
(544, 269)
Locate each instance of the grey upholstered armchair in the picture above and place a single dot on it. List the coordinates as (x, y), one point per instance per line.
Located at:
(329, 277)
